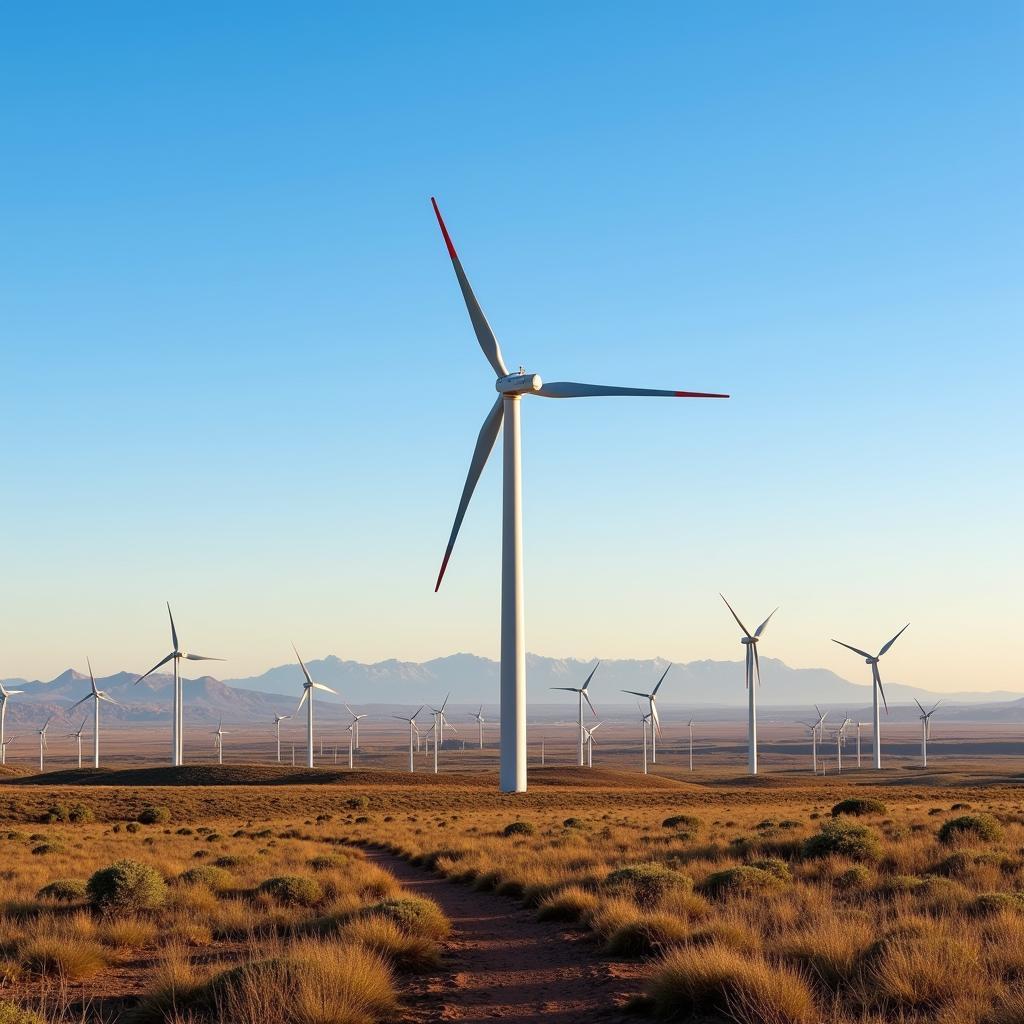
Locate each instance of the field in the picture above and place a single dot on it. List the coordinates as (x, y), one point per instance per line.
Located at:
(377, 896)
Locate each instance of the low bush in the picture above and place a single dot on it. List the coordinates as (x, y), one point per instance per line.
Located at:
(415, 915)
(126, 887)
(404, 951)
(11, 1013)
(690, 822)
(843, 839)
(646, 883)
(743, 880)
(293, 890)
(970, 826)
(859, 806)
(518, 828)
(573, 903)
(63, 890)
(154, 815)
(66, 958)
(215, 879)
(987, 903)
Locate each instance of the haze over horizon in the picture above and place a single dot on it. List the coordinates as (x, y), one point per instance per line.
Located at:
(239, 376)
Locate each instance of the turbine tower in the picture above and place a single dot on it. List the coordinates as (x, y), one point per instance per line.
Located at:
(177, 719)
(356, 719)
(840, 736)
(814, 743)
(43, 745)
(583, 696)
(479, 716)
(3, 748)
(689, 725)
(78, 737)
(308, 686)
(753, 669)
(644, 719)
(876, 688)
(590, 742)
(820, 726)
(96, 696)
(351, 740)
(413, 733)
(655, 720)
(441, 721)
(278, 719)
(926, 729)
(5, 694)
(219, 735)
(511, 387)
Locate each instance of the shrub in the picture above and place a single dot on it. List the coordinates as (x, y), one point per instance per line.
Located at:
(518, 828)
(415, 915)
(646, 934)
(970, 826)
(294, 890)
(215, 879)
(844, 839)
(68, 958)
(63, 890)
(744, 879)
(154, 815)
(77, 814)
(574, 823)
(404, 951)
(126, 887)
(80, 814)
(859, 806)
(689, 822)
(993, 902)
(857, 877)
(357, 803)
(50, 846)
(11, 1013)
(646, 883)
(573, 903)
(774, 866)
(132, 826)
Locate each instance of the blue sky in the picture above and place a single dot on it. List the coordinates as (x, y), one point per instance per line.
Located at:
(238, 374)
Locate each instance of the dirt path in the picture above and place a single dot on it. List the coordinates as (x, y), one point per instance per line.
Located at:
(502, 964)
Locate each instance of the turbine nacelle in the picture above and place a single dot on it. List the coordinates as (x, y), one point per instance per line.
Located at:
(518, 383)
(749, 639)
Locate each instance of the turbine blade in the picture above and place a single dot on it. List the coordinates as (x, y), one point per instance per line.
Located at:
(484, 444)
(878, 682)
(660, 681)
(305, 671)
(757, 665)
(571, 389)
(591, 676)
(201, 657)
(586, 697)
(77, 702)
(760, 629)
(893, 640)
(302, 699)
(160, 663)
(571, 689)
(110, 700)
(918, 703)
(323, 686)
(655, 716)
(746, 632)
(92, 678)
(856, 650)
(484, 334)
(637, 693)
(174, 632)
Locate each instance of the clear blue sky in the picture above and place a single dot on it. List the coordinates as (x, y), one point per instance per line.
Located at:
(237, 372)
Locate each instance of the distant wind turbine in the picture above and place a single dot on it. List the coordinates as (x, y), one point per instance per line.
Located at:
(655, 720)
(96, 696)
(78, 737)
(860, 725)
(442, 721)
(177, 720)
(356, 719)
(840, 736)
(590, 742)
(511, 387)
(351, 740)
(753, 680)
(308, 687)
(581, 692)
(43, 745)
(644, 719)
(814, 743)
(5, 694)
(219, 733)
(876, 688)
(820, 725)
(689, 725)
(479, 716)
(278, 719)
(926, 729)
(413, 733)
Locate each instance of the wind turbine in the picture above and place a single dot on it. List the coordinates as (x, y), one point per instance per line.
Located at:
(860, 725)
(840, 735)
(583, 696)
(590, 743)
(3, 748)
(42, 741)
(96, 696)
(5, 694)
(820, 726)
(689, 725)
(351, 739)
(220, 733)
(750, 640)
(308, 687)
(78, 736)
(644, 718)
(356, 719)
(479, 716)
(876, 688)
(926, 729)
(814, 743)
(278, 719)
(511, 387)
(441, 721)
(413, 732)
(177, 721)
(655, 720)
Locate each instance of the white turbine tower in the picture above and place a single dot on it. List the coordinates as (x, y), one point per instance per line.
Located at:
(43, 745)
(820, 726)
(581, 691)
(479, 716)
(96, 696)
(278, 719)
(655, 720)
(689, 726)
(876, 688)
(308, 686)
(3, 748)
(926, 729)
(814, 743)
(5, 694)
(351, 740)
(219, 733)
(78, 737)
(644, 719)
(860, 725)
(753, 680)
(840, 737)
(590, 743)
(356, 719)
(413, 733)
(441, 721)
(511, 387)
(177, 719)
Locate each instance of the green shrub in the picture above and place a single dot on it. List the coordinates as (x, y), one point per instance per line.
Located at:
(126, 887)
(646, 883)
(574, 823)
(774, 866)
(994, 902)
(743, 879)
(414, 915)
(11, 1013)
(844, 839)
(685, 821)
(50, 846)
(518, 828)
(858, 806)
(63, 890)
(132, 826)
(154, 815)
(215, 879)
(356, 803)
(857, 877)
(294, 890)
(970, 826)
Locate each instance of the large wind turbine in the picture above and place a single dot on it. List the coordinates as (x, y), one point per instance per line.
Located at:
(926, 729)
(43, 745)
(77, 736)
(219, 733)
(413, 733)
(876, 689)
(479, 716)
(308, 686)
(177, 721)
(511, 387)
(278, 719)
(583, 696)
(356, 719)
(750, 640)
(4, 695)
(96, 696)
(655, 720)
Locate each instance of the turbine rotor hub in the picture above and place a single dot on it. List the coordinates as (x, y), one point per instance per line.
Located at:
(518, 383)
